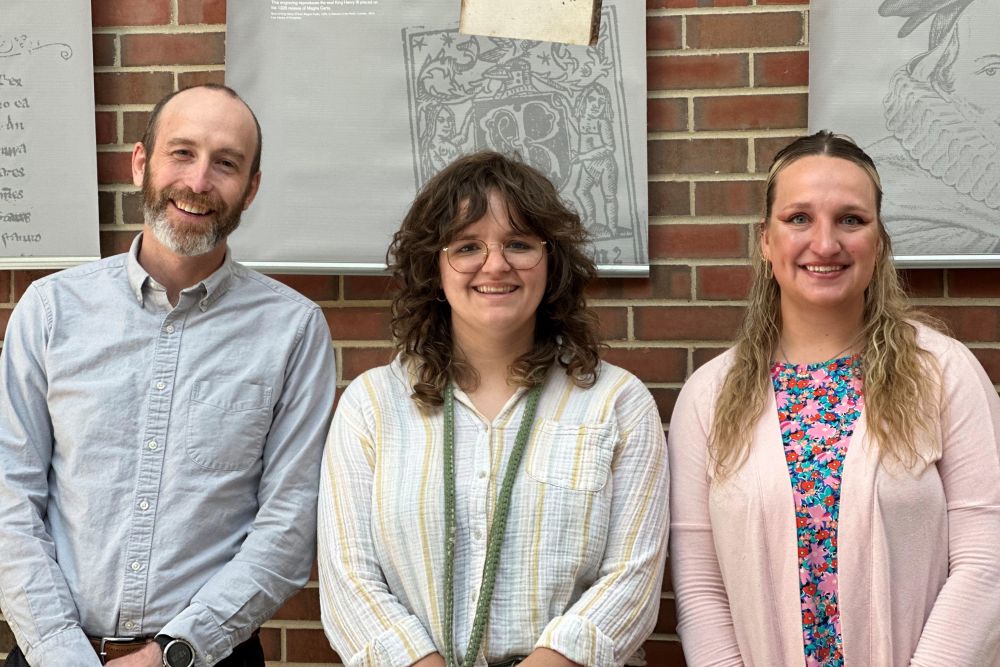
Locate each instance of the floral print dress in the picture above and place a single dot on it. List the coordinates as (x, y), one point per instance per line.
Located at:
(818, 405)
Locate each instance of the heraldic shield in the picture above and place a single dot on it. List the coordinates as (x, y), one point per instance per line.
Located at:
(533, 126)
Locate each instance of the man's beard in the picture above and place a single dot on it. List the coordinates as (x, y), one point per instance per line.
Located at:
(190, 238)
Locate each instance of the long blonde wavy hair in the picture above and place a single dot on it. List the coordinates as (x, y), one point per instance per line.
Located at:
(899, 377)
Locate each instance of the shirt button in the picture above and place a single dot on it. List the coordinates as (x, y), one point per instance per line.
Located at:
(152, 444)
(208, 657)
(136, 566)
(478, 534)
(143, 505)
(129, 625)
(482, 474)
(161, 385)
(170, 328)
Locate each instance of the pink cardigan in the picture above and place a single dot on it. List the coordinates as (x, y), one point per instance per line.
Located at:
(919, 553)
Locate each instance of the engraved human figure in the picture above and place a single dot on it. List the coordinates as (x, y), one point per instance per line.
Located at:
(440, 143)
(596, 157)
(943, 110)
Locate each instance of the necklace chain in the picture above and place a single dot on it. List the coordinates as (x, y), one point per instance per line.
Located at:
(497, 527)
(781, 351)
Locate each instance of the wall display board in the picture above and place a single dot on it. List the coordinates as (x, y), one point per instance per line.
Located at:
(917, 84)
(48, 171)
(361, 101)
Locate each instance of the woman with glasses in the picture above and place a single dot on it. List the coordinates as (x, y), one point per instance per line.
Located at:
(497, 494)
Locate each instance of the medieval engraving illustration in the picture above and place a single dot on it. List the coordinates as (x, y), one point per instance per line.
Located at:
(943, 112)
(562, 108)
(929, 116)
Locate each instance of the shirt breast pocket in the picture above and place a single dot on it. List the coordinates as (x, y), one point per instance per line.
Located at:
(227, 424)
(572, 456)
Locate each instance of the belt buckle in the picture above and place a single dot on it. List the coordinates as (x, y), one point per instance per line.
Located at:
(103, 654)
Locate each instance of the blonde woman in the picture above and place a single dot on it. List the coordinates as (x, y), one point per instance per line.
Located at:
(836, 474)
(496, 495)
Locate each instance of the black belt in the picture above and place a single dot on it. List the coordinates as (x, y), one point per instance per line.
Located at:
(509, 662)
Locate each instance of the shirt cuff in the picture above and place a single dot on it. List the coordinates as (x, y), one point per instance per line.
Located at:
(197, 626)
(69, 647)
(401, 645)
(578, 639)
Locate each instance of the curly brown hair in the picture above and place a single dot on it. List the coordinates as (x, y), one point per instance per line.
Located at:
(566, 330)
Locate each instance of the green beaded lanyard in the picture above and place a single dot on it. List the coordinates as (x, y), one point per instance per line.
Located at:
(497, 528)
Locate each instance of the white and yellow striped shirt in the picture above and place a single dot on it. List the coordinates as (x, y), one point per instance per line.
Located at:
(582, 562)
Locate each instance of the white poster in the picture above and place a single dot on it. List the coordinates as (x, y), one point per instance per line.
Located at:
(48, 169)
(361, 101)
(917, 84)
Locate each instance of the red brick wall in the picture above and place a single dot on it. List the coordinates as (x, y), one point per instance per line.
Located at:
(728, 83)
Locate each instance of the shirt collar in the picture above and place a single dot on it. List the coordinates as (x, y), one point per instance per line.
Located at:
(212, 287)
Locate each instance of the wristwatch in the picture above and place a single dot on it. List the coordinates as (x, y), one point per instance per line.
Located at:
(176, 652)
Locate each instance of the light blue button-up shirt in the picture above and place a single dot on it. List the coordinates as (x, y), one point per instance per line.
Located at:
(158, 464)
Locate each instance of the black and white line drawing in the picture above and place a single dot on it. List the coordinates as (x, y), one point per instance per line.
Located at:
(942, 110)
(562, 108)
(18, 45)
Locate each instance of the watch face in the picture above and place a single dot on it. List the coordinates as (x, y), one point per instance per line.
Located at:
(178, 654)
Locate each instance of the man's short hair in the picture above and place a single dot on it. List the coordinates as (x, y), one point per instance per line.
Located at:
(149, 136)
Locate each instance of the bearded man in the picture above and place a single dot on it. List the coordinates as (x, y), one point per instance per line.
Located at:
(162, 414)
(943, 110)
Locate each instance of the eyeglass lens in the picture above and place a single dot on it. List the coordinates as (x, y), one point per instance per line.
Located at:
(470, 256)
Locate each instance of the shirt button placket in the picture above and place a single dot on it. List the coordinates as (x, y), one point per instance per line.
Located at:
(154, 441)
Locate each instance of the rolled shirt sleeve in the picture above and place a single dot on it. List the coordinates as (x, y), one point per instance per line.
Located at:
(615, 615)
(34, 595)
(362, 618)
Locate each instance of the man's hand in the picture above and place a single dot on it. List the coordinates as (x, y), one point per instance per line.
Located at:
(432, 660)
(151, 655)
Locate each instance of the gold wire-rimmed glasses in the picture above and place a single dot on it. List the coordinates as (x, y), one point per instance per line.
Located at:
(469, 256)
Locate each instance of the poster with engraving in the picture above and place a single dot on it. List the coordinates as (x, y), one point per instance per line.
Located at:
(361, 101)
(48, 172)
(917, 84)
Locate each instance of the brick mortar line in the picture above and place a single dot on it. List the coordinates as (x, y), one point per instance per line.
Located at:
(294, 624)
(743, 260)
(963, 301)
(732, 10)
(162, 29)
(661, 344)
(681, 135)
(707, 177)
(736, 91)
(158, 69)
(665, 220)
(686, 51)
(347, 345)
